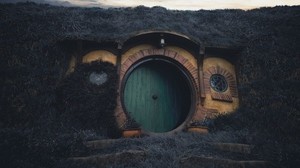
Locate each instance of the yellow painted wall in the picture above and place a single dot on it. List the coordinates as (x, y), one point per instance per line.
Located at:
(215, 61)
(100, 55)
(221, 106)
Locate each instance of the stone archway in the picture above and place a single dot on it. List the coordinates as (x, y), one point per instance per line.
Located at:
(181, 61)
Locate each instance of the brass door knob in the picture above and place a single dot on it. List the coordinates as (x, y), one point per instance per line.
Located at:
(154, 97)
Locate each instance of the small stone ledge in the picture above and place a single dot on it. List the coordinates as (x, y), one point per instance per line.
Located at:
(208, 162)
(100, 144)
(120, 157)
(233, 147)
(222, 97)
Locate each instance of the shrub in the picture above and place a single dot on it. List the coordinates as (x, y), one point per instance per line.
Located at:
(86, 104)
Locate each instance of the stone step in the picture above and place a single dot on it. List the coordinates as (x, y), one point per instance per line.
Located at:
(114, 158)
(233, 147)
(210, 162)
(100, 144)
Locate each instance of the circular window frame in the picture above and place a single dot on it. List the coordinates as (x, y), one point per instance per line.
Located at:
(223, 81)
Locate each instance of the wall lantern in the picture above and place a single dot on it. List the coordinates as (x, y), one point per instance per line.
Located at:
(162, 42)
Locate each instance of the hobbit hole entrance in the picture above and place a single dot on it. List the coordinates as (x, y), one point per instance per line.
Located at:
(157, 95)
(165, 88)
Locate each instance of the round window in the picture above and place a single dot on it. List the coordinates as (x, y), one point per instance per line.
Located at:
(98, 78)
(218, 83)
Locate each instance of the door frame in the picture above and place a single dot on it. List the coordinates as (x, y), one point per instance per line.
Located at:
(185, 73)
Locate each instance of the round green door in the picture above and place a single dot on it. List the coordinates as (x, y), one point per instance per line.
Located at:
(157, 96)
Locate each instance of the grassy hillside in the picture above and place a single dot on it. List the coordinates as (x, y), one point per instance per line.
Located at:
(35, 133)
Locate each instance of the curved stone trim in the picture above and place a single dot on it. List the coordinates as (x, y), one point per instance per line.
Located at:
(120, 114)
(226, 96)
(193, 71)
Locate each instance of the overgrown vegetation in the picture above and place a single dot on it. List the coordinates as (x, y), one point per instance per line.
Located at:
(87, 105)
(35, 133)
